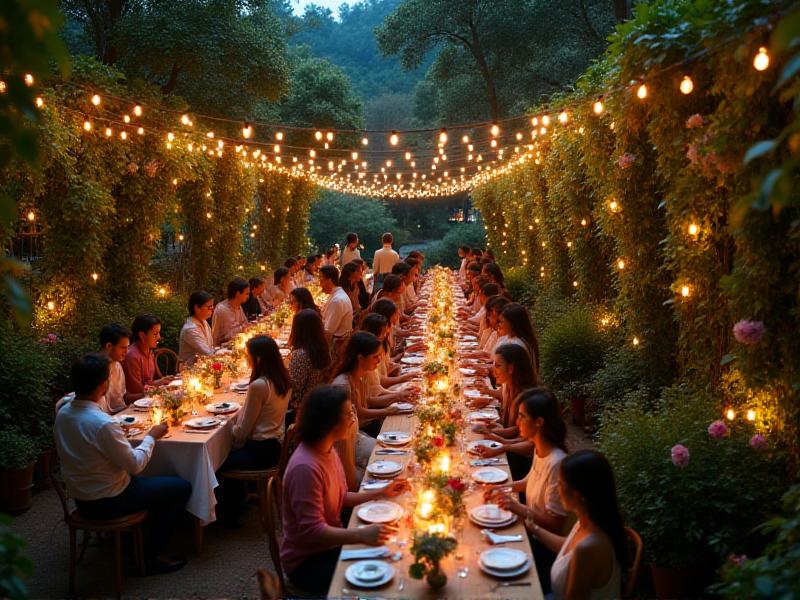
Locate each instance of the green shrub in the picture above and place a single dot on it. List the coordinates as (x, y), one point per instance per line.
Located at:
(697, 515)
(775, 574)
(623, 371)
(14, 568)
(445, 251)
(571, 349)
(17, 450)
(521, 284)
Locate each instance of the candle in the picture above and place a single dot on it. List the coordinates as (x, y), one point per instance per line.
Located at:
(444, 463)
(158, 415)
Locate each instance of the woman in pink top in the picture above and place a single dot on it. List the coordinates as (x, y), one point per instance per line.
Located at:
(315, 491)
(140, 365)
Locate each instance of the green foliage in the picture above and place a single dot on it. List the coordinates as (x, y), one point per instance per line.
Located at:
(445, 251)
(775, 574)
(428, 550)
(521, 284)
(18, 450)
(624, 371)
(715, 501)
(14, 568)
(571, 349)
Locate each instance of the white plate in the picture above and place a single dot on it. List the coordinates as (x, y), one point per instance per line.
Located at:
(472, 393)
(412, 360)
(503, 559)
(384, 468)
(376, 572)
(380, 511)
(483, 415)
(175, 383)
(126, 420)
(394, 438)
(202, 423)
(404, 406)
(473, 446)
(487, 525)
(489, 475)
(469, 338)
(490, 513)
(145, 403)
(284, 352)
(467, 372)
(240, 387)
(513, 573)
(222, 408)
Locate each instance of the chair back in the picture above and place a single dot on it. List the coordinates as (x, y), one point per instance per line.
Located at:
(636, 547)
(62, 493)
(167, 361)
(271, 523)
(290, 443)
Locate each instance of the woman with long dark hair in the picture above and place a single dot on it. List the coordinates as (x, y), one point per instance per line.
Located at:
(380, 396)
(591, 558)
(300, 298)
(388, 310)
(310, 356)
(515, 324)
(195, 338)
(348, 281)
(540, 422)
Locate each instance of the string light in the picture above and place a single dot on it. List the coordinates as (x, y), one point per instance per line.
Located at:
(730, 414)
(29, 79)
(685, 291)
(613, 205)
(620, 264)
(394, 139)
(318, 135)
(96, 99)
(95, 276)
(693, 229)
(495, 130)
(641, 92)
(598, 107)
(563, 117)
(583, 223)
(635, 341)
(751, 415)
(185, 119)
(761, 60)
(51, 305)
(329, 136)
(31, 216)
(687, 85)
(465, 139)
(137, 110)
(443, 136)
(365, 141)
(87, 126)
(39, 102)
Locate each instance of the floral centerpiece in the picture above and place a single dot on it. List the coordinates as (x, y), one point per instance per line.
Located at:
(172, 401)
(449, 494)
(429, 549)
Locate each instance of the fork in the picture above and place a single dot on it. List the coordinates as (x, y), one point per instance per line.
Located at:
(509, 584)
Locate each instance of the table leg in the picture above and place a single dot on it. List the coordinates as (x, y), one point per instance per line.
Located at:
(198, 536)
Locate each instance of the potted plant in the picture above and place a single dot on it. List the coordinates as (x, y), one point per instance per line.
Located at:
(429, 549)
(692, 485)
(572, 349)
(17, 456)
(14, 567)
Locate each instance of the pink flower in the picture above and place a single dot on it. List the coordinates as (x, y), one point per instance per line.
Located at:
(680, 456)
(693, 153)
(132, 168)
(216, 366)
(52, 337)
(758, 442)
(696, 120)
(718, 429)
(151, 168)
(749, 332)
(737, 559)
(456, 484)
(626, 160)
(438, 441)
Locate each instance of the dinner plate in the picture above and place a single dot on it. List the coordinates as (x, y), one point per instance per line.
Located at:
(489, 475)
(126, 420)
(202, 423)
(404, 406)
(503, 559)
(394, 438)
(490, 513)
(380, 511)
(175, 383)
(384, 468)
(483, 415)
(369, 573)
(506, 573)
(472, 447)
(240, 387)
(412, 360)
(467, 372)
(145, 403)
(469, 338)
(222, 408)
(468, 345)
(473, 393)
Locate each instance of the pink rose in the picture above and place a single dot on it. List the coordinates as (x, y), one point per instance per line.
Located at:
(758, 442)
(151, 168)
(132, 168)
(696, 120)
(749, 332)
(438, 441)
(52, 337)
(680, 456)
(718, 429)
(626, 160)
(456, 484)
(216, 366)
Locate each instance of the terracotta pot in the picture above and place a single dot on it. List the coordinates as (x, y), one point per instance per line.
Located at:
(16, 489)
(679, 583)
(577, 406)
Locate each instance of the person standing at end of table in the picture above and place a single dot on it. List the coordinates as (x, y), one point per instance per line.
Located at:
(337, 312)
(229, 318)
(351, 250)
(385, 258)
(100, 467)
(196, 338)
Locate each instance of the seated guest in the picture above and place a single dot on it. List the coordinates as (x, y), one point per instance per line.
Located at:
(393, 288)
(516, 327)
(540, 422)
(310, 357)
(299, 277)
(292, 266)
(195, 338)
(363, 294)
(348, 281)
(380, 396)
(140, 364)
(255, 305)
(300, 298)
(463, 254)
(277, 293)
(337, 312)
(315, 491)
(258, 426)
(313, 263)
(114, 342)
(495, 273)
(100, 467)
(229, 318)
(591, 558)
(361, 355)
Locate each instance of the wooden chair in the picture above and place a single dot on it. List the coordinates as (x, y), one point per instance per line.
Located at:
(274, 490)
(131, 523)
(635, 547)
(170, 361)
(290, 443)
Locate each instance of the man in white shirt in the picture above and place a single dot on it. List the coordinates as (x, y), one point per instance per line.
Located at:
(351, 250)
(384, 260)
(100, 468)
(337, 312)
(114, 342)
(229, 318)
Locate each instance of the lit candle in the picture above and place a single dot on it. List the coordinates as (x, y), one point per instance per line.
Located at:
(158, 415)
(444, 463)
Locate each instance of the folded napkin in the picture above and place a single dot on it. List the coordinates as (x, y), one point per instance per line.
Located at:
(364, 553)
(495, 538)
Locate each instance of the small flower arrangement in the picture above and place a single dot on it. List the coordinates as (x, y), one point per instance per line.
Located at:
(449, 494)
(429, 549)
(172, 401)
(427, 447)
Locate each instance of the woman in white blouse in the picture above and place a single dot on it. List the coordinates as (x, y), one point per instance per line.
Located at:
(195, 338)
(258, 426)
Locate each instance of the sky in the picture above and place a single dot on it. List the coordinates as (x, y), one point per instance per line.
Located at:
(299, 5)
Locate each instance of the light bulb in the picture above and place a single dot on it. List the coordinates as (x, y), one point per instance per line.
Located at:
(465, 139)
(693, 229)
(730, 414)
(126, 118)
(29, 79)
(574, 284)
(96, 100)
(394, 139)
(583, 222)
(140, 131)
(613, 205)
(751, 414)
(247, 131)
(495, 130)
(318, 135)
(620, 264)
(123, 135)
(95, 276)
(39, 102)
(109, 132)
(687, 85)
(364, 141)
(598, 107)
(443, 136)
(51, 305)
(545, 120)
(31, 216)
(279, 136)
(137, 110)
(641, 92)
(563, 117)
(408, 155)
(185, 119)
(685, 291)
(761, 60)
(170, 136)
(635, 341)
(329, 136)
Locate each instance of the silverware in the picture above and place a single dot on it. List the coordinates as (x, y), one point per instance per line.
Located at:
(199, 431)
(401, 584)
(510, 584)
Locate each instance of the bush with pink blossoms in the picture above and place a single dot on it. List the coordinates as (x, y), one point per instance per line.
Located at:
(718, 429)
(695, 121)
(680, 456)
(626, 160)
(749, 332)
